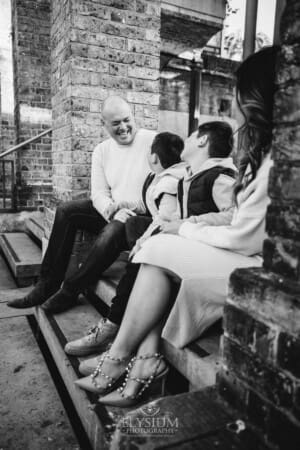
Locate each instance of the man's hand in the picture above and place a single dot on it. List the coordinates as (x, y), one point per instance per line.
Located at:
(171, 227)
(123, 215)
(110, 211)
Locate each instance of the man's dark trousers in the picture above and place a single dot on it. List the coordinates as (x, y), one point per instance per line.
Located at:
(112, 239)
(70, 217)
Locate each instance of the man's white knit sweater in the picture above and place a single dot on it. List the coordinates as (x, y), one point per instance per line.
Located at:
(119, 171)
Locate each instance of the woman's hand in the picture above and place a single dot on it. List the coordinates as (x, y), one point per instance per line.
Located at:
(171, 227)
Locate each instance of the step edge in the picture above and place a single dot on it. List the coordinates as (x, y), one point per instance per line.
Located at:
(88, 417)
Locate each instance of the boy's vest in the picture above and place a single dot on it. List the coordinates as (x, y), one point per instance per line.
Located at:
(146, 184)
(200, 199)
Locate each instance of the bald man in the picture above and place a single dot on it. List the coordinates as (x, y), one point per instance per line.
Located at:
(119, 168)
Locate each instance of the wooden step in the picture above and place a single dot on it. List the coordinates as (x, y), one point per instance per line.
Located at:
(199, 362)
(97, 420)
(6, 278)
(10, 294)
(191, 421)
(22, 255)
(35, 225)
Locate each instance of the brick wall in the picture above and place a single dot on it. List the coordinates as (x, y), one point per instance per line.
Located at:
(98, 48)
(7, 128)
(261, 371)
(31, 60)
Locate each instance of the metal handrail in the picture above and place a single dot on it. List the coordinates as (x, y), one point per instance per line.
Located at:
(24, 143)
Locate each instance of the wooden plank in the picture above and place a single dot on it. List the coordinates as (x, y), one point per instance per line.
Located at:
(57, 330)
(80, 398)
(194, 415)
(200, 371)
(22, 254)
(10, 294)
(6, 311)
(36, 226)
(6, 279)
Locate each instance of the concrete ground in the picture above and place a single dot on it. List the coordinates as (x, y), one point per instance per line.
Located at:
(32, 415)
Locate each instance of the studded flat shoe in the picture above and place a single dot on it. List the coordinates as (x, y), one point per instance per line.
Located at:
(120, 398)
(90, 383)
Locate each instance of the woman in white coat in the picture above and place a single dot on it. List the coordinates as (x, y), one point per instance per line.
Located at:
(200, 255)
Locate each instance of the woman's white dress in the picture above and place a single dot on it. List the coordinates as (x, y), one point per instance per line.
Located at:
(204, 256)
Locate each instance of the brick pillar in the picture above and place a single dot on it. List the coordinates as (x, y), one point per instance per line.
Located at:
(99, 48)
(261, 369)
(31, 61)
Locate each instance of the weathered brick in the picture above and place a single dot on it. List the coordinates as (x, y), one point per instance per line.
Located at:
(285, 182)
(31, 48)
(266, 380)
(289, 60)
(266, 297)
(282, 256)
(142, 72)
(286, 143)
(118, 69)
(116, 42)
(286, 107)
(290, 23)
(144, 98)
(90, 9)
(289, 354)
(232, 390)
(283, 430)
(251, 334)
(283, 220)
(138, 46)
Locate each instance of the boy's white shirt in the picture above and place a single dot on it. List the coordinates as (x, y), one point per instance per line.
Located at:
(164, 185)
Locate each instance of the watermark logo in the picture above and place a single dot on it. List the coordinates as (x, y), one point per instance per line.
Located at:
(150, 420)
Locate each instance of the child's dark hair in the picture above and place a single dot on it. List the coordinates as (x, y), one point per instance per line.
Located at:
(220, 138)
(168, 147)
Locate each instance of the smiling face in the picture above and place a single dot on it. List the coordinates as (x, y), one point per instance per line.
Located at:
(119, 122)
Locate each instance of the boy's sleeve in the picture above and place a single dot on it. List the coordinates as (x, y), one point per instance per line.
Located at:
(222, 191)
(247, 230)
(167, 206)
(214, 218)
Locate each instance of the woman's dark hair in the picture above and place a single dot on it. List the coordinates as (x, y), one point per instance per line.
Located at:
(255, 87)
(168, 147)
(220, 138)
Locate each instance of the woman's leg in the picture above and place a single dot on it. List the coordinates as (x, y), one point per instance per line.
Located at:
(148, 362)
(146, 308)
